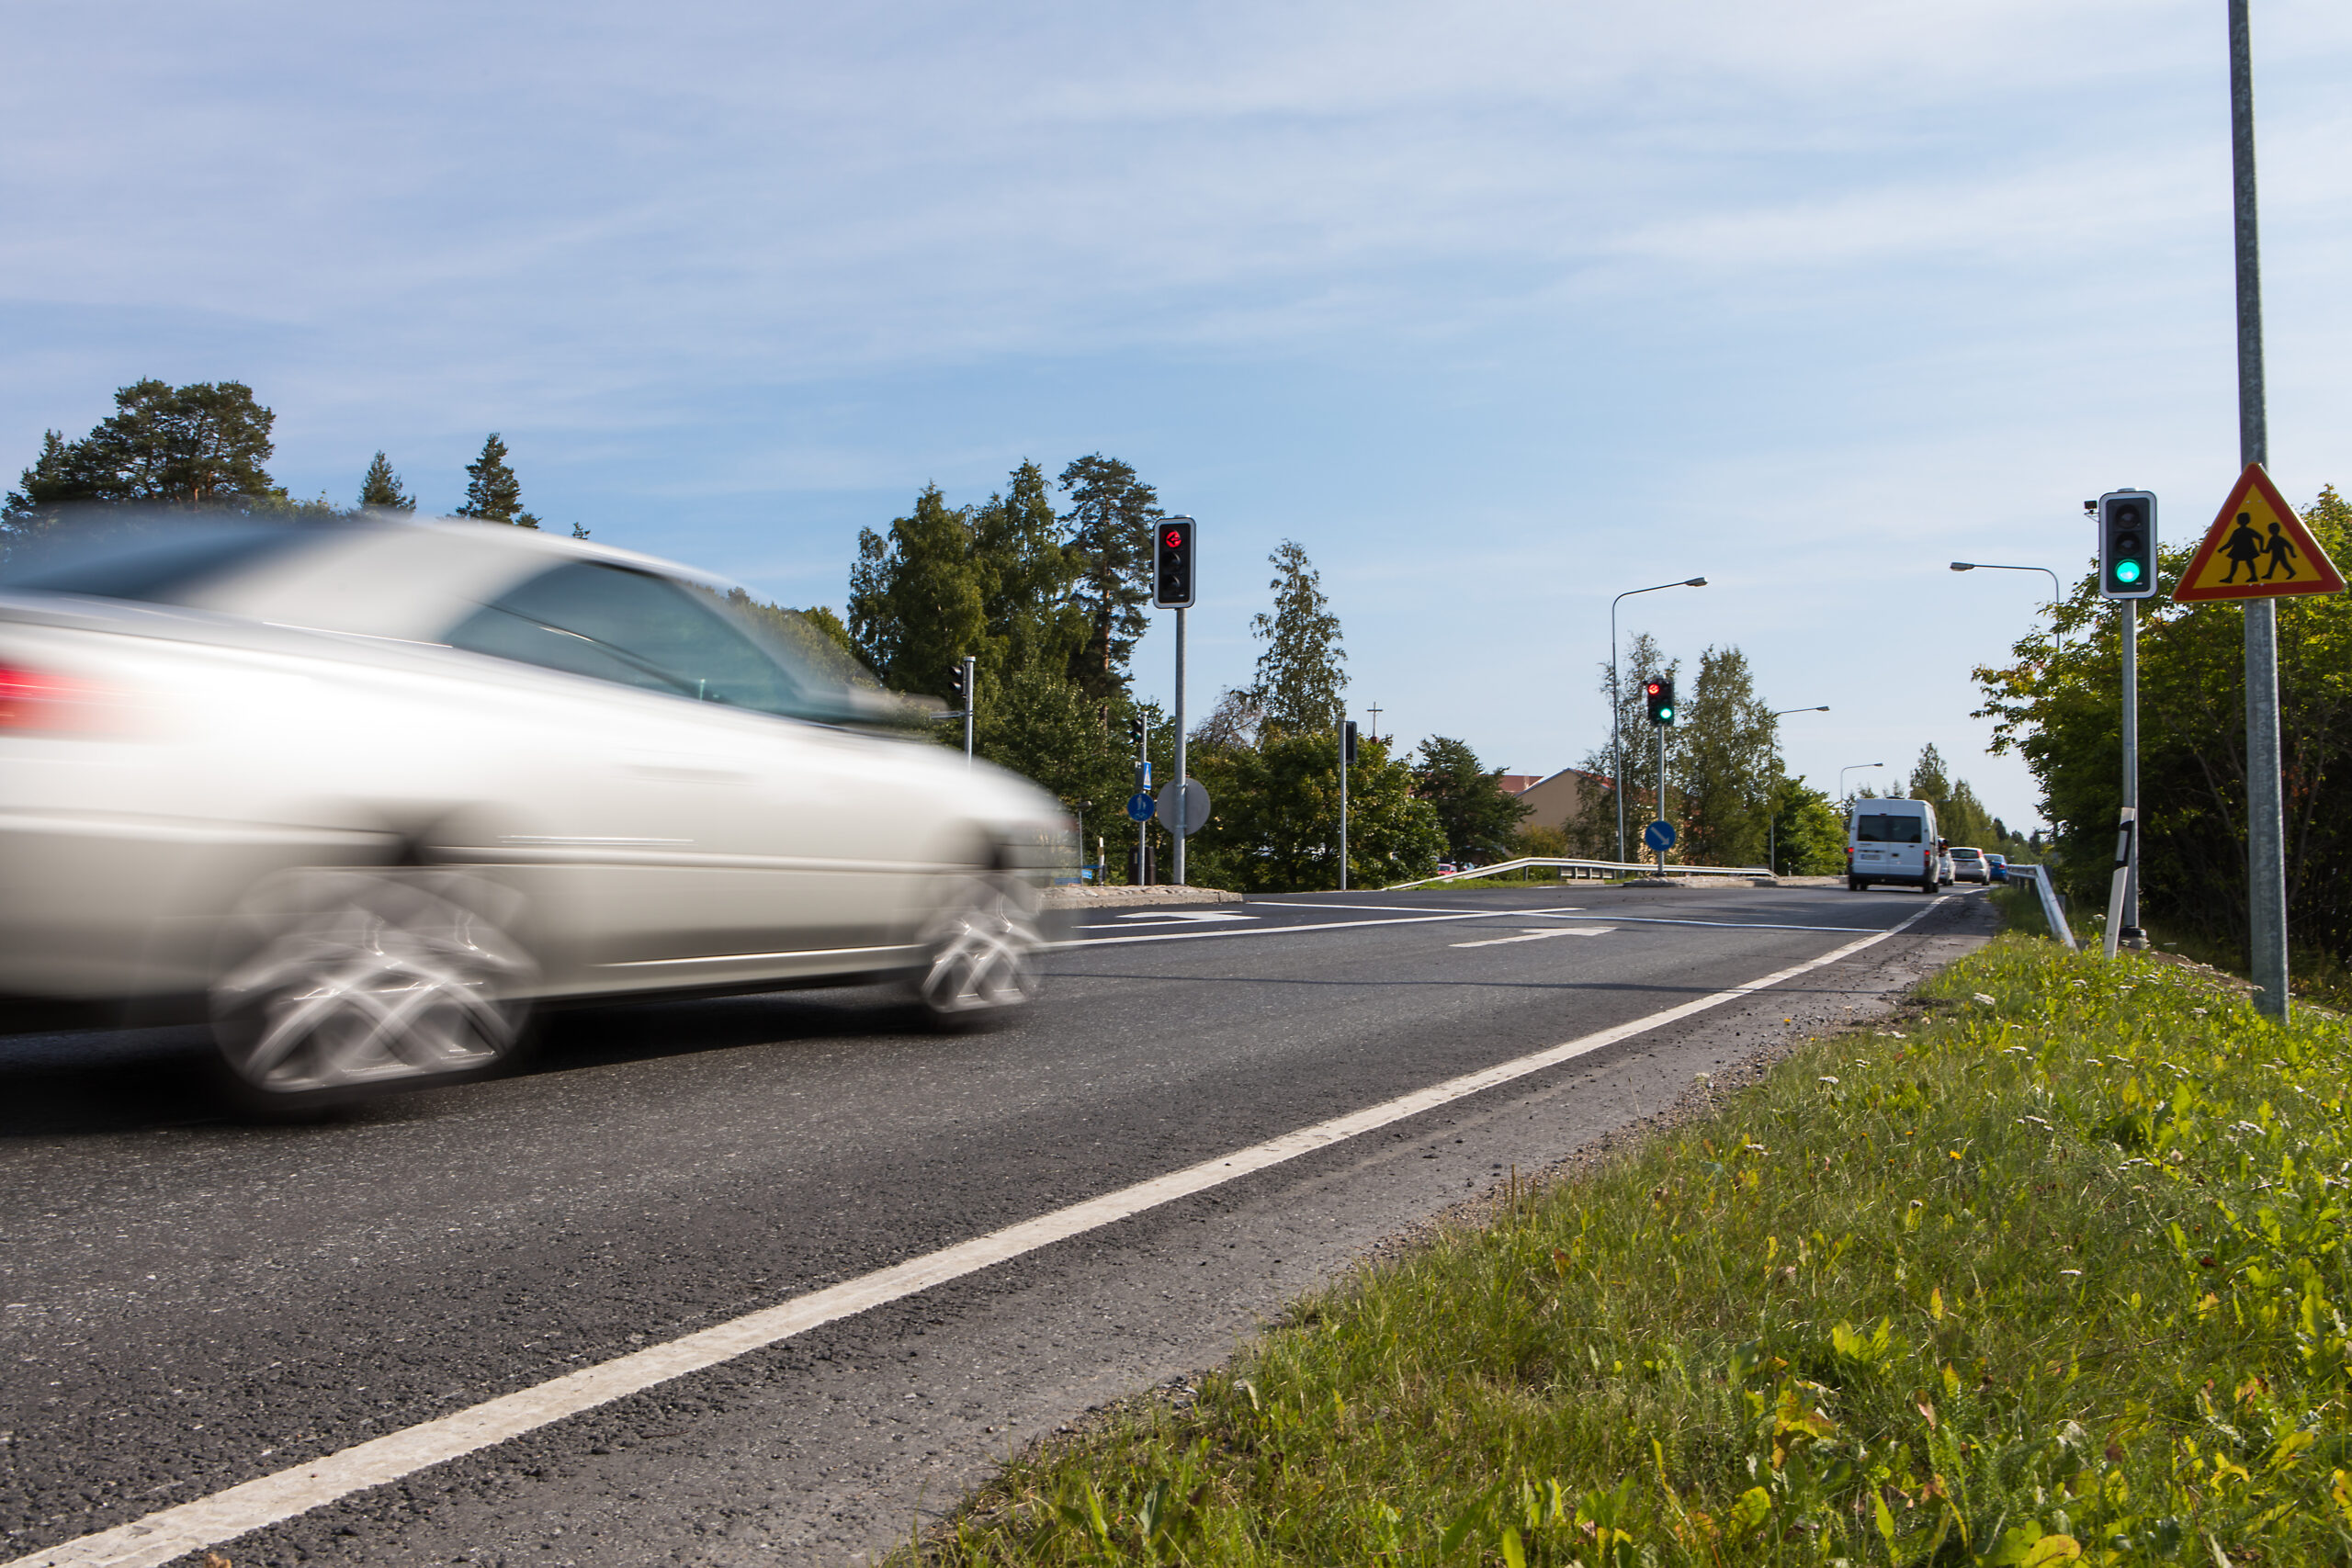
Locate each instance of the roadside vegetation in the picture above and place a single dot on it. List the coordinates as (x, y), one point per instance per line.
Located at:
(2051, 1271)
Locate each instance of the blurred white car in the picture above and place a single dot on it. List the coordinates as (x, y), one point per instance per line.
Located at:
(363, 794)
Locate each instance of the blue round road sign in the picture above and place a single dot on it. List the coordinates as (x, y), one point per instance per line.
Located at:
(1140, 807)
(1659, 836)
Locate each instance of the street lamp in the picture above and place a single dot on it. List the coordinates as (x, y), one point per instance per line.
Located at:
(1616, 713)
(1772, 817)
(1847, 769)
(2057, 635)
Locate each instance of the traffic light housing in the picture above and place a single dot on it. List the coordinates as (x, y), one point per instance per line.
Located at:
(1172, 563)
(956, 684)
(1348, 741)
(1658, 692)
(2127, 545)
(1134, 731)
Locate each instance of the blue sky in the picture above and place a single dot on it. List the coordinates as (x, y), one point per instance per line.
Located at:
(1499, 310)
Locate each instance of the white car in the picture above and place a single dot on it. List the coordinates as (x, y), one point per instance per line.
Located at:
(1968, 864)
(363, 795)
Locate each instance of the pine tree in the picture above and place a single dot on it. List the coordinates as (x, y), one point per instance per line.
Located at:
(381, 489)
(492, 492)
(1109, 525)
(198, 446)
(1299, 680)
(1477, 818)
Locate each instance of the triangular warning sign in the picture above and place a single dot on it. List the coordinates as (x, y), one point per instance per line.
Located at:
(2258, 549)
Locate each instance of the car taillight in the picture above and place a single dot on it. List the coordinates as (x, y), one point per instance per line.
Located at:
(35, 702)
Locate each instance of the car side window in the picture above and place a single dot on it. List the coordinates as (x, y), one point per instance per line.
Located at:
(632, 628)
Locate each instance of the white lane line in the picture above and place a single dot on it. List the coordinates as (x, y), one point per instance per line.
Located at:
(1318, 926)
(1722, 925)
(1539, 936)
(211, 1521)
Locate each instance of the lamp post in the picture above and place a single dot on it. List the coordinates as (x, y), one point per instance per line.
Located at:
(1616, 716)
(1772, 817)
(2056, 634)
(1847, 769)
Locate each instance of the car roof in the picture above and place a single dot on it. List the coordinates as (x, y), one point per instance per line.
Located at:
(404, 578)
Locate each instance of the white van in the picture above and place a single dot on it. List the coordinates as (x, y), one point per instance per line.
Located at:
(1892, 840)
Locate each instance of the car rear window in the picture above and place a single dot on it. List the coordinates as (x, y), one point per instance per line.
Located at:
(1878, 827)
(1963, 855)
(151, 560)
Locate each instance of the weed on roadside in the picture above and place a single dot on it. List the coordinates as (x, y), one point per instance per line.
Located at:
(2055, 1273)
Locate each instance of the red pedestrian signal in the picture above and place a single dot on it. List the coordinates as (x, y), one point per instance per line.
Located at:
(1171, 564)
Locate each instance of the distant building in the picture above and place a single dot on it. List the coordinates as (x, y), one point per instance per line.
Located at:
(1557, 800)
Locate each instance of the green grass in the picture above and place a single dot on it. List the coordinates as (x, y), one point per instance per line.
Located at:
(2055, 1271)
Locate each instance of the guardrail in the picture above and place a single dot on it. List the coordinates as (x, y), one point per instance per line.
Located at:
(2051, 910)
(1598, 869)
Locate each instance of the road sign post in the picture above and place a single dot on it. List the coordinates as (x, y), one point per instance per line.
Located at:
(2266, 829)
(1171, 577)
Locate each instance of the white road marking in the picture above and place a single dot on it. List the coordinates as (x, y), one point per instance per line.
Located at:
(1319, 926)
(1539, 936)
(1723, 925)
(211, 1521)
(1176, 917)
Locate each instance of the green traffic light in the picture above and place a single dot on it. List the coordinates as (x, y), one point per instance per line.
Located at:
(2127, 571)
(1667, 714)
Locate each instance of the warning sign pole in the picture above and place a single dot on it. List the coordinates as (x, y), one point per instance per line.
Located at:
(2265, 836)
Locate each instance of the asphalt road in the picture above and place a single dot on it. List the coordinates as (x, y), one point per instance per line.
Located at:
(192, 1304)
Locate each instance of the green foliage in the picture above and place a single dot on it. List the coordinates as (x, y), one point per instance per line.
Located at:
(1724, 763)
(1277, 823)
(380, 488)
(2055, 1274)
(2061, 711)
(197, 447)
(1299, 679)
(1109, 537)
(492, 492)
(1809, 836)
(1479, 821)
(916, 598)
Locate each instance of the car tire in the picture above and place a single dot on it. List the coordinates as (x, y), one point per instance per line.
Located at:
(980, 963)
(1856, 884)
(338, 985)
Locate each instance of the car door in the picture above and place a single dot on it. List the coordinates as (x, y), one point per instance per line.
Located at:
(692, 833)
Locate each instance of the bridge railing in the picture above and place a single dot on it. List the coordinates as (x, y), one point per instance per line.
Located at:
(1584, 870)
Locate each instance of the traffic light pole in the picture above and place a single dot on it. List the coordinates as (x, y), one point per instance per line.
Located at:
(1661, 792)
(1343, 800)
(2265, 837)
(971, 700)
(1177, 875)
(2132, 936)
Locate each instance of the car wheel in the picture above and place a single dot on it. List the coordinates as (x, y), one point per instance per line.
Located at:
(982, 952)
(343, 983)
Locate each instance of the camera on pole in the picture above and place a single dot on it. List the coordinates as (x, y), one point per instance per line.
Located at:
(1172, 563)
(1658, 692)
(2127, 545)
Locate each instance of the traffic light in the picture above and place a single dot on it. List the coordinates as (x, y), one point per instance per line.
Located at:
(2127, 545)
(1134, 731)
(956, 684)
(1172, 563)
(1349, 742)
(1659, 692)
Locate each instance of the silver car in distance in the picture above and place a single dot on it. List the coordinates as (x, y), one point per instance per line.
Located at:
(363, 794)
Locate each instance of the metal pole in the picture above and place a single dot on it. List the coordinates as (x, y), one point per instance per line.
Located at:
(1142, 828)
(2266, 836)
(1617, 731)
(1343, 800)
(2132, 936)
(1179, 872)
(971, 702)
(1661, 791)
